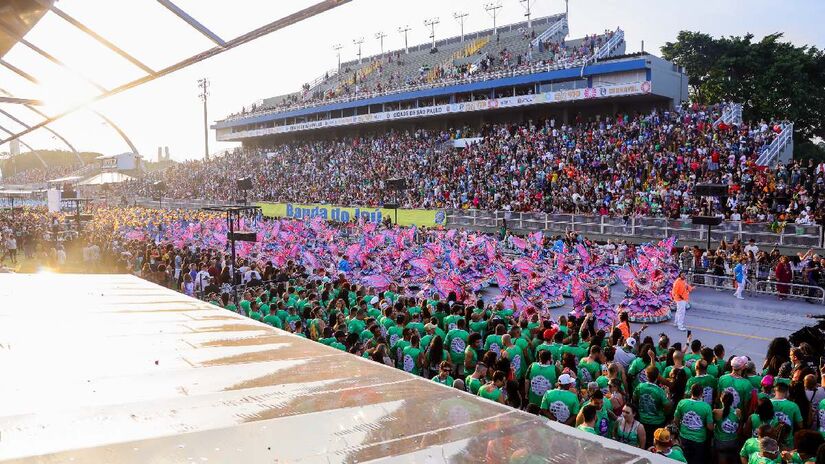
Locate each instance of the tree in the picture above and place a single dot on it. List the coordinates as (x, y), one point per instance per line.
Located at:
(773, 79)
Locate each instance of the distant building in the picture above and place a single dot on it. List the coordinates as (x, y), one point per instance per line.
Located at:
(121, 162)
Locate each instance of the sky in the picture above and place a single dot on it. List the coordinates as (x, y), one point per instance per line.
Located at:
(168, 112)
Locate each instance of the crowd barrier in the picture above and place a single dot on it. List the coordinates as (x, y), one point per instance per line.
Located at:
(652, 228)
(811, 293)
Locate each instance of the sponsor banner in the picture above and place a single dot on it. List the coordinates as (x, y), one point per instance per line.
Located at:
(559, 96)
(406, 217)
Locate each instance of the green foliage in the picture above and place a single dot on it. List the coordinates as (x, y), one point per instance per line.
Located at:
(771, 78)
(808, 150)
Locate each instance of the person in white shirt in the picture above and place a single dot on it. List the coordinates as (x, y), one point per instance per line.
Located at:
(751, 247)
(202, 278)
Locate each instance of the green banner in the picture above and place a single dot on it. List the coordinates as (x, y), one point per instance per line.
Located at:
(406, 217)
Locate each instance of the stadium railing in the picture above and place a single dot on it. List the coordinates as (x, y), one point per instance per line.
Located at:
(811, 293)
(557, 27)
(771, 153)
(653, 228)
(732, 114)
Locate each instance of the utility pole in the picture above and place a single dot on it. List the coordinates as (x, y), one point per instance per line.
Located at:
(492, 10)
(337, 47)
(460, 18)
(566, 7)
(431, 23)
(527, 5)
(358, 42)
(404, 30)
(203, 84)
(380, 36)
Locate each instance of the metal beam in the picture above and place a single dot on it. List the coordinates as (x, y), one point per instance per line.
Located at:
(296, 17)
(19, 71)
(10, 31)
(20, 101)
(21, 141)
(192, 22)
(53, 132)
(32, 150)
(118, 130)
(99, 38)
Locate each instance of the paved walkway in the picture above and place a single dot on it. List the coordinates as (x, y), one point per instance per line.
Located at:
(744, 327)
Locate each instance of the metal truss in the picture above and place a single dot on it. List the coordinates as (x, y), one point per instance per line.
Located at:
(150, 74)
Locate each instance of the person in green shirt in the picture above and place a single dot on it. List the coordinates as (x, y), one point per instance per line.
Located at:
(401, 345)
(451, 322)
(604, 413)
(357, 324)
(472, 351)
(396, 332)
(493, 342)
(652, 401)
(293, 319)
(514, 353)
(475, 380)
(704, 380)
(541, 376)
(588, 415)
(694, 355)
(561, 404)
(492, 390)
(457, 344)
(735, 383)
(478, 325)
(694, 418)
(245, 307)
(413, 357)
(444, 377)
(590, 366)
(726, 429)
(808, 443)
(768, 452)
(273, 319)
(751, 445)
(416, 324)
(678, 363)
(787, 412)
(636, 370)
(663, 444)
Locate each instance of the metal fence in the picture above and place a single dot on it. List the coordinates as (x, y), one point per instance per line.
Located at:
(652, 228)
(812, 293)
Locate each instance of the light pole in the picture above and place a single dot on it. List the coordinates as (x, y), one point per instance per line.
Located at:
(460, 18)
(203, 84)
(358, 43)
(492, 10)
(337, 48)
(404, 30)
(380, 36)
(431, 23)
(527, 5)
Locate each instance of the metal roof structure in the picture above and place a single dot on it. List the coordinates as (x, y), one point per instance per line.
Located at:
(123, 370)
(19, 20)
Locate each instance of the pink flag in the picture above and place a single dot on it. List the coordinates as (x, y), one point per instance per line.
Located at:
(519, 242)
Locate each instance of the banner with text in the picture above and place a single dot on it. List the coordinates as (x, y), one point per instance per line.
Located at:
(406, 217)
(607, 91)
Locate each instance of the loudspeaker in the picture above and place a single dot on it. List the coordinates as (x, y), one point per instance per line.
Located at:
(396, 184)
(706, 220)
(68, 194)
(710, 190)
(391, 205)
(244, 183)
(242, 236)
(159, 186)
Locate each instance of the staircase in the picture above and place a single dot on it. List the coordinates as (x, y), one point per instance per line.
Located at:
(731, 115)
(780, 149)
(559, 27)
(606, 50)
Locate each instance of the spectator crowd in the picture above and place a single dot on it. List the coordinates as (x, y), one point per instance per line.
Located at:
(620, 165)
